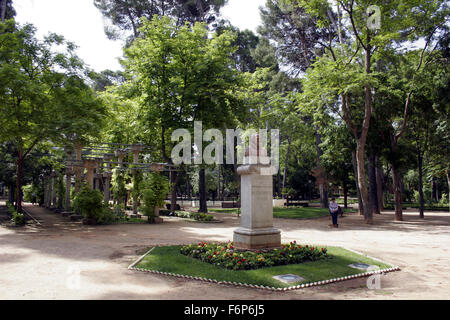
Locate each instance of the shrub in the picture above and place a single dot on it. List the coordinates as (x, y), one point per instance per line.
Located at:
(154, 191)
(202, 217)
(164, 212)
(183, 214)
(118, 187)
(416, 196)
(444, 200)
(17, 218)
(198, 216)
(225, 255)
(27, 192)
(89, 203)
(118, 213)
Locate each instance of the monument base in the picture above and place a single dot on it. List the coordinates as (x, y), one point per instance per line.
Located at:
(263, 238)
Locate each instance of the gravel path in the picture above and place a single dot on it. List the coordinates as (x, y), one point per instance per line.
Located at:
(66, 260)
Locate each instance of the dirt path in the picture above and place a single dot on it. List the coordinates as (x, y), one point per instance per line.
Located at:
(41, 262)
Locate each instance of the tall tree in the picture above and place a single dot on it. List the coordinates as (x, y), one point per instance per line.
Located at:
(127, 15)
(6, 10)
(294, 32)
(182, 76)
(350, 63)
(32, 75)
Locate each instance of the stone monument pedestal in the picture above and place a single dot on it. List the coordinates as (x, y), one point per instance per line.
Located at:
(256, 230)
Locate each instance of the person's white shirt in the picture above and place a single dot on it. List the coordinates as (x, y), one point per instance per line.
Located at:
(334, 207)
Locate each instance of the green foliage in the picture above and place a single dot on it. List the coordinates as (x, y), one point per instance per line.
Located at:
(27, 192)
(154, 191)
(444, 200)
(178, 74)
(127, 15)
(43, 96)
(137, 178)
(118, 187)
(197, 216)
(225, 256)
(89, 203)
(17, 218)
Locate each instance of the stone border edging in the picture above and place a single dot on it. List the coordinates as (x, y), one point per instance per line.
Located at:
(132, 266)
(246, 285)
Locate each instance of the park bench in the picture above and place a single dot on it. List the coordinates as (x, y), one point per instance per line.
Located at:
(177, 207)
(296, 203)
(230, 204)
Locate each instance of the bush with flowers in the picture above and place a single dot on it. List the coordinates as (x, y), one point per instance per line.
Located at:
(226, 256)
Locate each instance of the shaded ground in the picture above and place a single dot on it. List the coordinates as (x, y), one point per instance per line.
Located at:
(41, 262)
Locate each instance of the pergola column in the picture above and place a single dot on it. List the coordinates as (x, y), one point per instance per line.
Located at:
(45, 183)
(69, 174)
(107, 175)
(120, 154)
(136, 149)
(78, 169)
(98, 176)
(54, 183)
(49, 191)
(158, 168)
(90, 165)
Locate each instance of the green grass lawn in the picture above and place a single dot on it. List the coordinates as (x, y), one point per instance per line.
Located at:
(169, 259)
(415, 205)
(290, 213)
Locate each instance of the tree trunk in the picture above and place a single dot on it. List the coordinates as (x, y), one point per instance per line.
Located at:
(355, 170)
(448, 184)
(421, 198)
(379, 178)
(323, 185)
(397, 194)
(286, 161)
(202, 191)
(323, 188)
(19, 181)
(373, 197)
(437, 191)
(3, 8)
(174, 178)
(11, 194)
(218, 182)
(78, 169)
(60, 195)
(367, 209)
(279, 181)
(345, 188)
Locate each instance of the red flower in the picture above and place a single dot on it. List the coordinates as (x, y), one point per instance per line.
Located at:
(243, 260)
(239, 262)
(209, 257)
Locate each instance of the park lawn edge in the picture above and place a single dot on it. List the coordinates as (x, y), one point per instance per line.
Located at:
(142, 265)
(289, 213)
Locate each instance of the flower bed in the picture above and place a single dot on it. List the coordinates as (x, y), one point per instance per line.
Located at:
(225, 255)
(197, 216)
